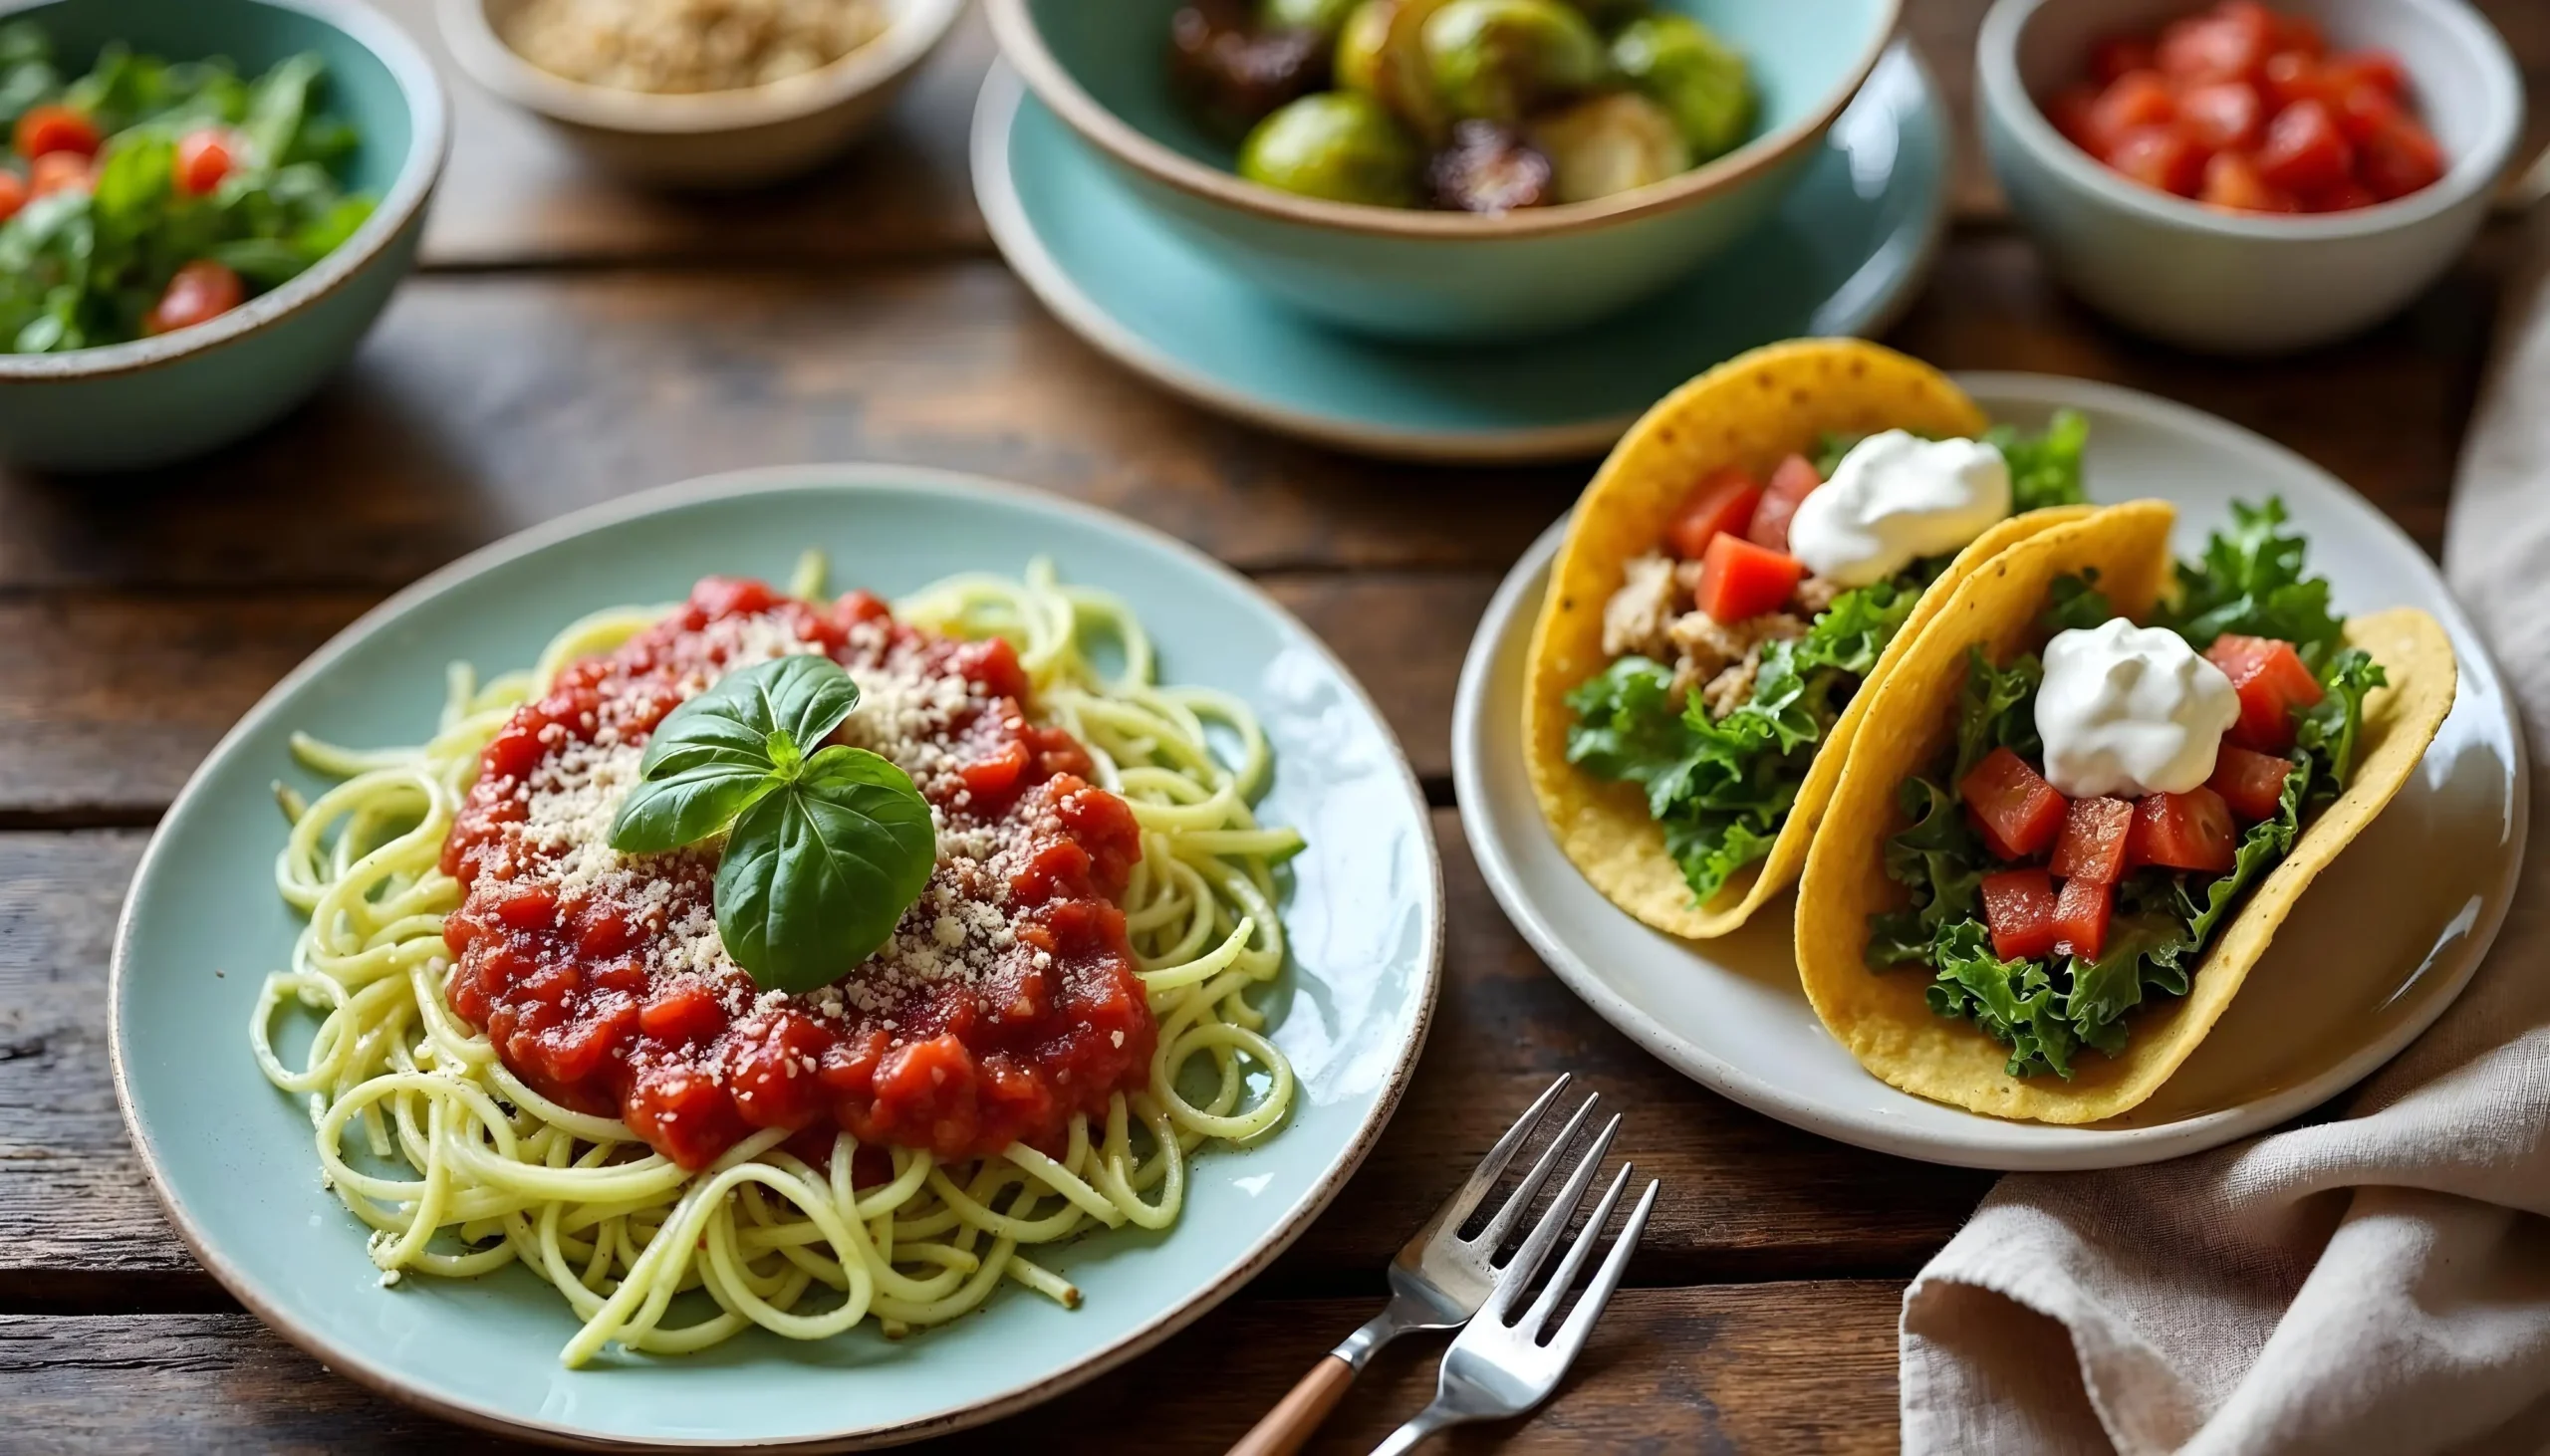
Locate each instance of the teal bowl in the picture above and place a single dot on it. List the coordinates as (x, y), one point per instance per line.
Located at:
(1404, 273)
(165, 399)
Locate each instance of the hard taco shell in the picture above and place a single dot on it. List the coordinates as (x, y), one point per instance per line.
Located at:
(1751, 411)
(1882, 1017)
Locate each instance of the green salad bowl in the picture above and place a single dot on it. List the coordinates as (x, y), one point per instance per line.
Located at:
(1414, 274)
(166, 397)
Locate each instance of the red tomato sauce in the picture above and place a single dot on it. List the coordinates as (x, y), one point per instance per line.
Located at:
(1006, 1002)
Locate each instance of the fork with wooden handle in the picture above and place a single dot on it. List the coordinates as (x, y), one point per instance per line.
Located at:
(1439, 1279)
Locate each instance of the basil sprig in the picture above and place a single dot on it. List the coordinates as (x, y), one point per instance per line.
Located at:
(825, 850)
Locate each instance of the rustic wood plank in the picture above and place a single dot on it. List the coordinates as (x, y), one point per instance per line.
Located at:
(1750, 1198)
(91, 732)
(1786, 1367)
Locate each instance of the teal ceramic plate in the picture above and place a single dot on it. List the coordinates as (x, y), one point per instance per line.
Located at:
(232, 1158)
(1842, 252)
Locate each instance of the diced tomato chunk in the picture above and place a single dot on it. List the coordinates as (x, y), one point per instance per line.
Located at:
(2232, 180)
(2252, 784)
(1722, 503)
(2114, 56)
(2272, 683)
(2159, 156)
(2081, 917)
(1740, 580)
(2222, 114)
(2020, 813)
(1791, 483)
(2138, 100)
(2298, 34)
(683, 1011)
(2377, 69)
(2305, 151)
(203, 159)
(2191, 830)
(2232, 40)
(2095, 832)
(2398, 156)
(2018, 906)
(2075, 113)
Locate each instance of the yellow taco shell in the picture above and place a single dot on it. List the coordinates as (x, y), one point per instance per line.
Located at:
(1882, 1017)
(1752, 411)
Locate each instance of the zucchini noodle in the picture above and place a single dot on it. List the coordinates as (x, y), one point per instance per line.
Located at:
(458, 1168)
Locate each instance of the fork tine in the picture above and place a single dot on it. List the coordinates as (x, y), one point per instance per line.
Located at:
(1519, 1202)
(1580, 1320)
(1457, 1209)
(1513, 1276)
(1577, 1253)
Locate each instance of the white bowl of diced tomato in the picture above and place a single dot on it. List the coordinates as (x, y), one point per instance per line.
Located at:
(2246, 178)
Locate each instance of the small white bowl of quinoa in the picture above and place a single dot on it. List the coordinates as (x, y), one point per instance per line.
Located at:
(712, 94)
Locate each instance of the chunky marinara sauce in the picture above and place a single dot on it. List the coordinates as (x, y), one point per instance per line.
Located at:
(1005, 1002)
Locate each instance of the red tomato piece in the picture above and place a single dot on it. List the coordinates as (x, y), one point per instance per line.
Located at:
(58, 171)
(2161, 157)
(2252, 784)
(2019, 811)
(203, 159)
(1791, 483)
(2231, 41)
(13, 193)
(2095, 832)
(2018, 906)
(2399, 157)
(2232, 180)
(2344, 197)
(2272, 683)
(2289, 77)
(2304, 150)
(202, 290)
(2297, 33)
(2139, 98)
(2116, 55)
(2191, 830)
(2377, 69)
(52, 127)
(2075, 113)
(2081, 917)
(2222, 114)
(681, 1012)
(1739, 579)
(1723, 501)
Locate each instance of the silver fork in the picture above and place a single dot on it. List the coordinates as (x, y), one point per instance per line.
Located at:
(1439, 1279)
(1500, 1367)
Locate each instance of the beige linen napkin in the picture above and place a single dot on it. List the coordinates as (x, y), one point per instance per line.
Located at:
(2379, 1282)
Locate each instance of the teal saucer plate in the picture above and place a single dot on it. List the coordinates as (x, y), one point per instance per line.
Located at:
(1842, 254)
(233, 1160)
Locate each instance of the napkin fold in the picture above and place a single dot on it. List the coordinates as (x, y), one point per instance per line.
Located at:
(2378, 1283)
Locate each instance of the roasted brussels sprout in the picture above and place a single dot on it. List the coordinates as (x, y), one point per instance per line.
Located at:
(1674, 62)
(1338, 145)
(1499, 59)
(1382, 54)
(1488, 168)
(1324, 18)
(1609, 144)
(1233, 71)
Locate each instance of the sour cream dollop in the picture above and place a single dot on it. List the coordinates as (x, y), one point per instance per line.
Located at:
(2129, 710)
(1894, 499)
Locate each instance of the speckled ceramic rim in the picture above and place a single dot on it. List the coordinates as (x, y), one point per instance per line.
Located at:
(387, 1379)
(1996, 67)
(2050, 1149)
(1025, 48)
(916, 27)
(996, 193)
(430, 134)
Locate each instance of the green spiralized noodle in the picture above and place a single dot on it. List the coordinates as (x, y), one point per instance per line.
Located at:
(489, 1172)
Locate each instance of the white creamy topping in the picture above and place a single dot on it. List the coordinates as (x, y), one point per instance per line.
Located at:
(1894, 499)
(2126, 710)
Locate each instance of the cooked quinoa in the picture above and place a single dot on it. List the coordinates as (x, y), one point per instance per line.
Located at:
(688, 45)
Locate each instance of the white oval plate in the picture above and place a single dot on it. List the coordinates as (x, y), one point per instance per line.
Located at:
(2379, 947)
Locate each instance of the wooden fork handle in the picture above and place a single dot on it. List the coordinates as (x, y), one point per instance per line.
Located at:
(1299, 1413)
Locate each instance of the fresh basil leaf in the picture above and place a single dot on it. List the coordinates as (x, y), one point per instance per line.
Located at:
(804, 694)
(816, 874)
(686, 806)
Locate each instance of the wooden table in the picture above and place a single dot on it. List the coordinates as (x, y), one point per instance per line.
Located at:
(569, 341)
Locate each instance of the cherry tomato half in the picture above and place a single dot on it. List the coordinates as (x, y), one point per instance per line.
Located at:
(200, 290)
(203, 159)
(50, 127)
(56, 171)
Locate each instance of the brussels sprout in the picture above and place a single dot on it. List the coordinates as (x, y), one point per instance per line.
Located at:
(1678, 63)
(1610, 144)
(1322, 17)
(1338, 144)
(1499, 58)
(1232, 73)
(1490, 169)
(1381, 52)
